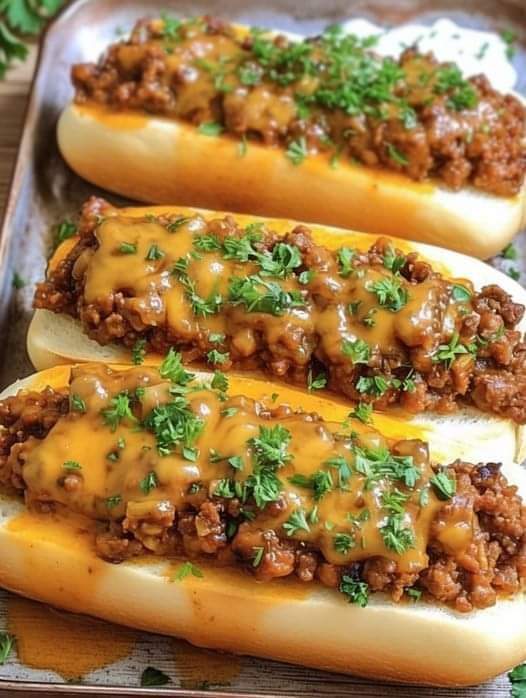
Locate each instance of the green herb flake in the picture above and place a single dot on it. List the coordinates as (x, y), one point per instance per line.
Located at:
(357, 592)
(154, 677)
(113, 501)
(127, 248)
(6, 646)
(297, 151)
(77, 403)
(18, 282)
(210, 128)
(71, 465)
(138, 352)
(444, 486)
(186, 569)
(148, 483)
(258, 555)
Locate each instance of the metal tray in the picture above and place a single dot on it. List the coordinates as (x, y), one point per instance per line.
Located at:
(44, 191)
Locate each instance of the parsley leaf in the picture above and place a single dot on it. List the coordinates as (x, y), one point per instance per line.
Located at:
(118, 410)
(154, 677)
(296, 522)
(138, 352)
(390, 293)
(186, 569)
(297, 151)
(149, 483)
(210, 129)
(358, 351)
(6, 645)
(444, 486)
(356, 591)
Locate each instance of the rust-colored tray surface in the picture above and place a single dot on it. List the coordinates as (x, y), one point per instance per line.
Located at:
(66, 655)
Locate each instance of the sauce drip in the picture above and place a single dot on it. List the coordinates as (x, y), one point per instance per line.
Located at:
(71, 645)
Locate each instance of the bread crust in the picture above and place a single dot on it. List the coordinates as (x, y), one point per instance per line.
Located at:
(154, 159)
(52, 560)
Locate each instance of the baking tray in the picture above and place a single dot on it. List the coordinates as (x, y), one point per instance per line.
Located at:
(60, 654)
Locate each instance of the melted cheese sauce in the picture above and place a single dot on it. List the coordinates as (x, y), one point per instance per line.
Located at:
(153, 295)
(111, 488)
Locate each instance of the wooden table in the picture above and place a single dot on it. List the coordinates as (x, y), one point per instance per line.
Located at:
(14, 91)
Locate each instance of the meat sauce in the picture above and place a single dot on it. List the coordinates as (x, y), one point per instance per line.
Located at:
(379, 326)
(176, 467)
(329, 94)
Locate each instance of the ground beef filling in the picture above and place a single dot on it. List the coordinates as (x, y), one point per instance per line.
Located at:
(212, 528)
(486, 367)
(329, 94)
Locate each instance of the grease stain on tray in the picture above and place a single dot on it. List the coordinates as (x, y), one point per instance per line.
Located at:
(71, 645)
(199, 668)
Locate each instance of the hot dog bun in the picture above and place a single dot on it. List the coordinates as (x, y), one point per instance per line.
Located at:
(56, 339)
(122, 152)
(51, 559)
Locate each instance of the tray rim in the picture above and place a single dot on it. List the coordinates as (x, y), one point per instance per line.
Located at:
(14, 185)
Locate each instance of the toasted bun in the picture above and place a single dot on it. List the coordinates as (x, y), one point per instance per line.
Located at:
(58, 339)
(123, 152)
(52, 560)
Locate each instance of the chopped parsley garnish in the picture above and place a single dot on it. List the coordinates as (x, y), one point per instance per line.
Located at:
(414, 594)
(138, 352)
(118, 410)
(216, 337)
(444, 486)
(358, 351)
(235, 462)
(113, 501)
(210, 128)
(172, 368)
(447, 353)
(297, 151)
(174, 225)
(207, 243)
(378, 463)
(229, 411)
(396, 536)
(343, 468)
(356, 591)
(514, 274)
(305, 277)
(396, 155)
(281, 262)
(395, 263)
(6, 646)
(373, 385)
(517, 677)
(217, 357)
(509, 252)
(77, 403)
(272, 299)
(394, 501)
(296, 522)
(269, 454)
(390, 293)
(509, 37)
(258, 555)
(363, 412)
(149, 483)
(186, 569)
(152, 676)
(154, 253)
(174, 425)
(320, 482)
(344, 543)
(64, 231)
(317, 383)
(128, 248)
(345, 257)
(18, 282)
(219, 382)
(71, 465)
(460, 293)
